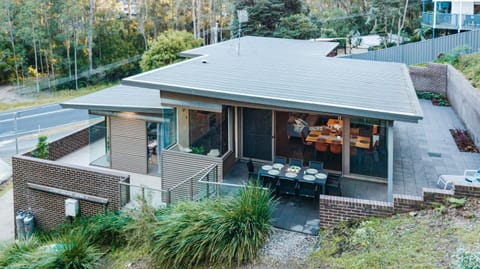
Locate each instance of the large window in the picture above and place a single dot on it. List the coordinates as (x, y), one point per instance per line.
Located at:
(208, 132)
(368, 147)
(160, 135)
(99, 143)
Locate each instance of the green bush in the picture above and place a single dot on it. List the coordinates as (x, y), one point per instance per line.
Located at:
(13, 252)
(42, 148)
(224, 231)
(467, 260)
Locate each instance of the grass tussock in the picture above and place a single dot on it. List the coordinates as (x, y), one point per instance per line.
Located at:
(225, 231)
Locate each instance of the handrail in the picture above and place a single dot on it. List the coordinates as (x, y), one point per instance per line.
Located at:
(209, 168)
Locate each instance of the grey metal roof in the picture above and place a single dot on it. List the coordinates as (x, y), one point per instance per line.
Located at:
(120, 98)
(290, 77)
(254, 46)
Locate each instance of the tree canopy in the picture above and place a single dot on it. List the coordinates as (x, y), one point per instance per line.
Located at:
(166, 49)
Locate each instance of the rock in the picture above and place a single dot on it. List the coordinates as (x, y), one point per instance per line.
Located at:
(468, 215)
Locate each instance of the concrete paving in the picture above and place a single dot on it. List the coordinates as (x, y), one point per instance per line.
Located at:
(5, 171)
(6, 217)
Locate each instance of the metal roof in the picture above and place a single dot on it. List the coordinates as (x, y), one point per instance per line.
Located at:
(120, 98)
(254, 46)
(294, 74)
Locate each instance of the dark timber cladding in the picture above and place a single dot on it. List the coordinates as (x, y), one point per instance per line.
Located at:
(290, 74)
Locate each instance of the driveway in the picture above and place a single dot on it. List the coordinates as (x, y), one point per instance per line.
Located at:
(6, 216)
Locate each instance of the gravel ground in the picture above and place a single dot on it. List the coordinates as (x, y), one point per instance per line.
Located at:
(286, 250)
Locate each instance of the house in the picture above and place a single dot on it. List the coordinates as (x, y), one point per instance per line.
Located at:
(248, 98)
(452, 15)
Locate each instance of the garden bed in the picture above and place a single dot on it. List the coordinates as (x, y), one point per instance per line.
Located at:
(437, 99)
(463, 140)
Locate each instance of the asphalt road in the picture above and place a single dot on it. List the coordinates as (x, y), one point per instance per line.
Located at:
(33, 121)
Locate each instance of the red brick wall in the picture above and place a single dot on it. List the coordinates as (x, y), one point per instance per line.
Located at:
(48, 208)
(335, 209)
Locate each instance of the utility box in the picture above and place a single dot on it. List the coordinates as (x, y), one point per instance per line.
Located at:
(71, 207)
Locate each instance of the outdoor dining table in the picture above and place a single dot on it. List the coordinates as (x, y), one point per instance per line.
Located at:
(320, 177)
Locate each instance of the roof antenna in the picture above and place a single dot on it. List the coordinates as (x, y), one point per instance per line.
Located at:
(242, 15)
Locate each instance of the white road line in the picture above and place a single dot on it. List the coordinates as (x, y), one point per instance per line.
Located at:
(25, 110)
(38, 115)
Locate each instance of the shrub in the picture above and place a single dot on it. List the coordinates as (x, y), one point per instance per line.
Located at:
(224, 231)
(71, 250)
(42, 148)
(467, 260)
(15, 251)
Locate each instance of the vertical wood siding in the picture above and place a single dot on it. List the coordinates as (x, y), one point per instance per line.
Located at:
(129, 145)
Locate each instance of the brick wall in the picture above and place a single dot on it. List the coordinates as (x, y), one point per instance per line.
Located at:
(49, 208)
(335, 209)
(432, 78)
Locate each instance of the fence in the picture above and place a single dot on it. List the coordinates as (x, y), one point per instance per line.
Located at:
(45, 83)
(131, 195)
(424, 51)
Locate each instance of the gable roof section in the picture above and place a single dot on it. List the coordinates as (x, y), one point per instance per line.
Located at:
(292, 75)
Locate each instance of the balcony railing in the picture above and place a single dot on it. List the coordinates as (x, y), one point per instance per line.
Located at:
(451, 21)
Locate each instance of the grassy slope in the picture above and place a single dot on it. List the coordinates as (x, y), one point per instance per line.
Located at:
(469, 65)
(55, 97)
(428, 240)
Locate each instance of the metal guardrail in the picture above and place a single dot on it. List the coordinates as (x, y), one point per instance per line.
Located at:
(423, 51)
(131, 195)
(451, 21)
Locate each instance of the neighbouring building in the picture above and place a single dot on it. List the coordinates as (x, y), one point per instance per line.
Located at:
(451, 15)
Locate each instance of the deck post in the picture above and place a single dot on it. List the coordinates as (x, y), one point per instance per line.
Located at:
(390, 161)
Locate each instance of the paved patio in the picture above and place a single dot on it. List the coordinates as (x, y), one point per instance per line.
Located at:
(422, 152)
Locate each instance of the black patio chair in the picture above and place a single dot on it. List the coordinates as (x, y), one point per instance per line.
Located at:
(315, 164)
(296, 162)
(287, 186)
(333, 185)
(280, 159)
(307, 189)
(270, 182)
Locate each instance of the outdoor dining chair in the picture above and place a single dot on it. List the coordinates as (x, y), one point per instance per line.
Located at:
(316, 165)
(280, 159)
(287, 186)
(307, 189)
(296, 162)
(270, 182)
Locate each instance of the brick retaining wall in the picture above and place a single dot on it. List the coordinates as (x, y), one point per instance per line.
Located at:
(49, 208)
(432, 78)
(335, 209)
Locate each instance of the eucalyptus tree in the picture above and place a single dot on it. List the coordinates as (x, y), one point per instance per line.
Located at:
(7, 11)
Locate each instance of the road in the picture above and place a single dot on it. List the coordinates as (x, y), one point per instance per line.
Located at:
(36, 120)
(31, 120)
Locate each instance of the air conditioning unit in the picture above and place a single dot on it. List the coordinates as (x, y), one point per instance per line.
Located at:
(71, 207)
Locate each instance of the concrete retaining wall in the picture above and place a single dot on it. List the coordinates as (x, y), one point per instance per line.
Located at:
(465, 100)
(463, 97)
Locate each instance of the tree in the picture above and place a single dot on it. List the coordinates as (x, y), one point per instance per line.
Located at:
(166, 49)
(265, 15)
(297, 26)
